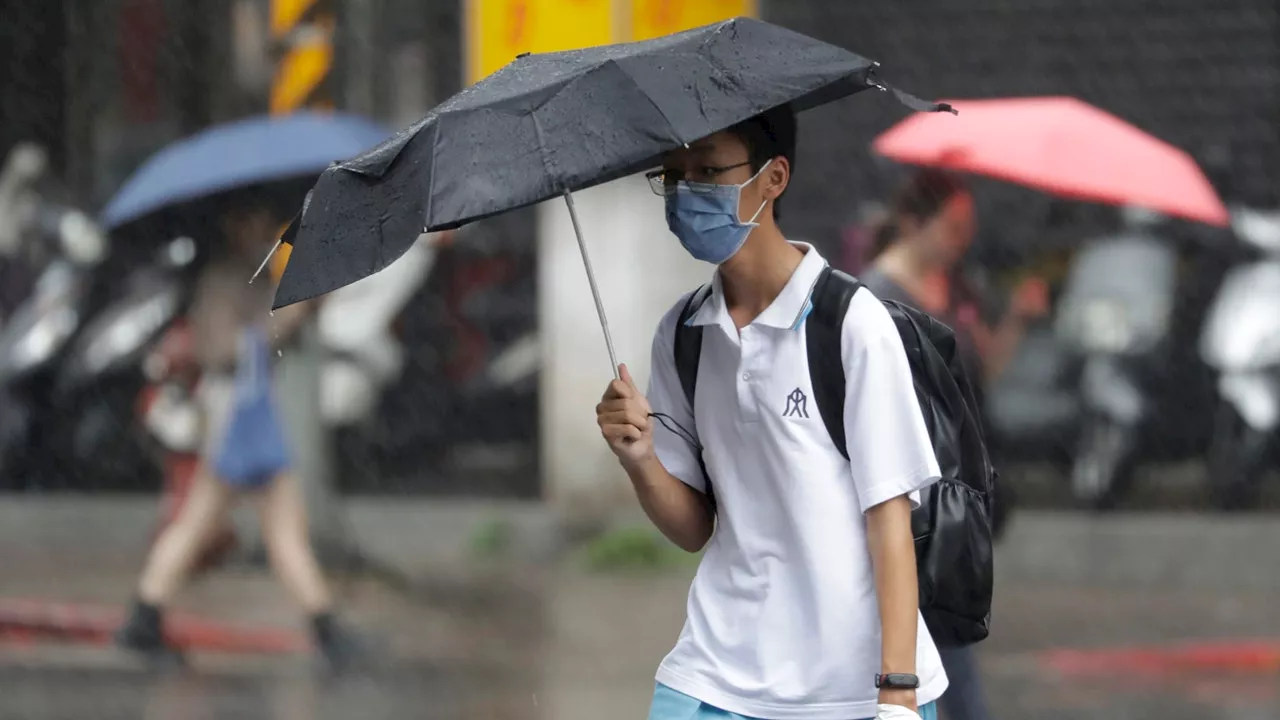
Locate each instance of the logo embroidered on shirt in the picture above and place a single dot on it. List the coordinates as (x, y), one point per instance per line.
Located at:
(797, 405)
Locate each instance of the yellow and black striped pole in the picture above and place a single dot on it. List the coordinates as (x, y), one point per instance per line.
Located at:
(302, 32)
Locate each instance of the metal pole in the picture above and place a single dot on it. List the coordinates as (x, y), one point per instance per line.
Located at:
(591, 278)
(298, 376)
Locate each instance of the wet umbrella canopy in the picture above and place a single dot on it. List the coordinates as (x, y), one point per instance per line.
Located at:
(548, 124)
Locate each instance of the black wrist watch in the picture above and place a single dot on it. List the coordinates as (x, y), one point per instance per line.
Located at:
(897, 681)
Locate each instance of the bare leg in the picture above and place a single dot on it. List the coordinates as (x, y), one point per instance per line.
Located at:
(176, 550)
(284, 530)
(172, 557)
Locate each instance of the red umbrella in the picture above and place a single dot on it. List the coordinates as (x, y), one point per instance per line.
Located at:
(1062, 146)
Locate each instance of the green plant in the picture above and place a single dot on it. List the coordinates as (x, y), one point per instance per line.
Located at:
(491, 539)
(633, 548)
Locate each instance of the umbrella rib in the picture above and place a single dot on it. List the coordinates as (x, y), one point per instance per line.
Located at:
(537, 126)
(542, 152)
(431, 181)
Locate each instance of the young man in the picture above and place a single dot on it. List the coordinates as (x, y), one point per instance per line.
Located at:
(807, 591)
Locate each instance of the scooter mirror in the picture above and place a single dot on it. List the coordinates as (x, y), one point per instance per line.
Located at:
(81, 239)
(1259, 228)
(22, 167)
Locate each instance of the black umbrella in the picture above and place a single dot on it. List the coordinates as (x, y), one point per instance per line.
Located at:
(549, 124)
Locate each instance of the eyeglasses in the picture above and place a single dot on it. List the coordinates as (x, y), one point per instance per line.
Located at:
(663, 181)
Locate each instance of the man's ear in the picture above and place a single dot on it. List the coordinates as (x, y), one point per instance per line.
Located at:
(776, 177)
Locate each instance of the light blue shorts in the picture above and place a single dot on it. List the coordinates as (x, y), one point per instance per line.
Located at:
(671, 704)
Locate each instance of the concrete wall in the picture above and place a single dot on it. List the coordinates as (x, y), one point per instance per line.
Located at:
(641, 270)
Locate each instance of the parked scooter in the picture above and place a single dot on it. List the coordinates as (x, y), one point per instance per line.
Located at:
(471, 386)
(362, 353)
(102, 374)
(1033, 409)
(34, 339)
(1116, 313)
(19, 206)
(1241, 342)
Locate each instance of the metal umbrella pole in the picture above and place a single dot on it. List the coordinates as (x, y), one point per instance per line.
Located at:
(591, 278)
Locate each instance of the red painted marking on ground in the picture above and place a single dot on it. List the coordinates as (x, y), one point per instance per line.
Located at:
(22, 620)
(1223, 655)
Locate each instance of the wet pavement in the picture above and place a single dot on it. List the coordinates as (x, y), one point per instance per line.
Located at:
(99, 690)
(548, 642)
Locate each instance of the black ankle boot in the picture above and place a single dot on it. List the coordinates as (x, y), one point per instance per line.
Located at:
(143, 633)
(340, 649)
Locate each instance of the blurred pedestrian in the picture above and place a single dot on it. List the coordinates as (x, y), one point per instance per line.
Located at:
(857, 238)
(916, 260)
(805, 604)
(244, 450)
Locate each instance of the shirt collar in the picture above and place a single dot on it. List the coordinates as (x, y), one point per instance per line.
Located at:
(787, 311)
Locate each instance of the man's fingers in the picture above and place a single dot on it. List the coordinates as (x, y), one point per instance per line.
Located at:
(628, 416)
(611, 405)
(625, 375)
(615, 404)
(618, 389)
(617, 433)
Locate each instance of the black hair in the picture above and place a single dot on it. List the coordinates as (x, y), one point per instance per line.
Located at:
(768, 135)
(921, 198)
(282, 199)
(245, 201)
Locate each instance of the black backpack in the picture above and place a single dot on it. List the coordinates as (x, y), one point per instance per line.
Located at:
(952, 526)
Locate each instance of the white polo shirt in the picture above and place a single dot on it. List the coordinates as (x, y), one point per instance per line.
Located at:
(783, 622)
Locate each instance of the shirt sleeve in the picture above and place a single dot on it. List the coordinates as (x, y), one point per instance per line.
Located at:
(673, 416)
(890, 453)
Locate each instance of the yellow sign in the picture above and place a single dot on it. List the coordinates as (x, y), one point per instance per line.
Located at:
(499, 30)
(655, 18)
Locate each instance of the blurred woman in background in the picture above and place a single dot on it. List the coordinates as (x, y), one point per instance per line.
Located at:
(915, 259)
(244, 451)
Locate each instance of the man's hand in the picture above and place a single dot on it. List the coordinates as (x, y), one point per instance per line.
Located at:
(901, 698)
(679, 511)
(893, 711)
(623, 417)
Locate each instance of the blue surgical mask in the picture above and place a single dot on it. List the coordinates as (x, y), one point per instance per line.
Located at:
(704, 216)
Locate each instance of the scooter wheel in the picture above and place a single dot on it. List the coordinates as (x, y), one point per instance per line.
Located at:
(1237, 459)
(1104, 465)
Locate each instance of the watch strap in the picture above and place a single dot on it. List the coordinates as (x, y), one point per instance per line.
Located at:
(897, 681)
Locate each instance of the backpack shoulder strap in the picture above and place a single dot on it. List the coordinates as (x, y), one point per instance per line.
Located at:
(688, 343)
(688, 353)
(831, 296)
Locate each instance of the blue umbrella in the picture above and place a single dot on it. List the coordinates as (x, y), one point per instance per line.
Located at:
(245, 152)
